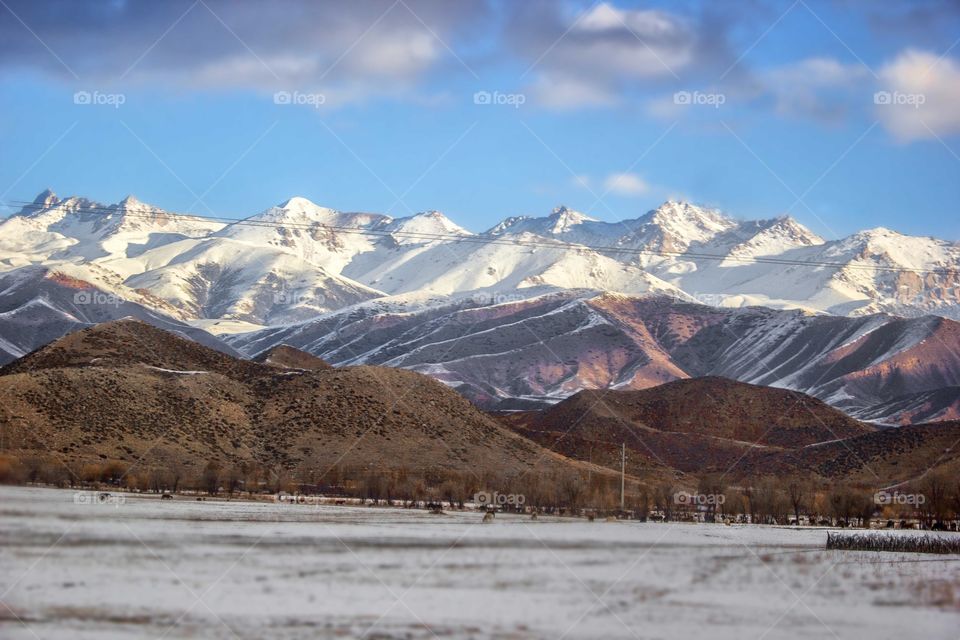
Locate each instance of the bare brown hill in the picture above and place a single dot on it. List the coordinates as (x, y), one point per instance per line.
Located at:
(885, 457)
(126, 391)
(287, 357)
(713, 407)
(694, 425)
(706, 425)
(129, 342)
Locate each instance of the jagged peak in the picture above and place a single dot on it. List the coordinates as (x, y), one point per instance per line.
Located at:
(563, 218)
(45, 196)
(44, 200)
(673, 209)
(563, 211)
(131, 203)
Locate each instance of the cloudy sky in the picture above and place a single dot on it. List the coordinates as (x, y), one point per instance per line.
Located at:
(842, 113)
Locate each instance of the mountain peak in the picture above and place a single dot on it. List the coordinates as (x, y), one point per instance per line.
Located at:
(297, 209)
(504, 225)
(680, 224)
(563, 218)
(44, 200)
(297, 202)
(47, 195)
(427, 222)
(681, 208)
(284, 356)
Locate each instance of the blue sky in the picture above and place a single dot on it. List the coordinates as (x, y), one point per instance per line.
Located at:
(758, 107)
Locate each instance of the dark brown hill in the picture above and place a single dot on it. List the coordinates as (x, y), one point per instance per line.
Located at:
(712, 407)
(694, 425)
(127, 391)
(131, 342)
(888, 456)
(706, 425)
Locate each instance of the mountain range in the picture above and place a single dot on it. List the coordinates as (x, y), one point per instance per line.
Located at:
(299, 259)
(126, 391)
(526, 313)
(536, 351)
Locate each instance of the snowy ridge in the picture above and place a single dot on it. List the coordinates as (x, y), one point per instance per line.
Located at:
(314, 259)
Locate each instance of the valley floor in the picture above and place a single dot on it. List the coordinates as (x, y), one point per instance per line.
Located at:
(238, 570)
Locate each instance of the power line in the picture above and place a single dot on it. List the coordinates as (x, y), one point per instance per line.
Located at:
(483, 238)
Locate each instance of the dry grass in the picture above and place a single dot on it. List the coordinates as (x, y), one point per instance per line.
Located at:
(893, 543)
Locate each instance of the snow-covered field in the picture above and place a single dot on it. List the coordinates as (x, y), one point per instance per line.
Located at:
(218, 569)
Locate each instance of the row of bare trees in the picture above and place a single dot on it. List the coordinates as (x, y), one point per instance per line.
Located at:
(932, 500)
(765, 499)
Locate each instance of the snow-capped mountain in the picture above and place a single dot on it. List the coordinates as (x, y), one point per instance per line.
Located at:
(522, 353)
(533, 309)
(249, 271)
(39, 305)
(563, 224)
(676, 227)
(76, 228)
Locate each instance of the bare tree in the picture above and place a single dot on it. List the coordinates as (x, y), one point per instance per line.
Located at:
(799, 492)
(210, 479)
(664, 499)
(935, 488)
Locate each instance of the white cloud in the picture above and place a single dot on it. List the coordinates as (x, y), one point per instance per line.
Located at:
(626, 184)
(820, 88)
(636, 43)
(919, 96)
(344, 49)
(596, 58)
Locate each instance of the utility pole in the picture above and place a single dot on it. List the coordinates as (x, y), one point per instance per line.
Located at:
(623, 471)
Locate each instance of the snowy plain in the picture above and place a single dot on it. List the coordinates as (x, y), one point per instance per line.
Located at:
(140, 567)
